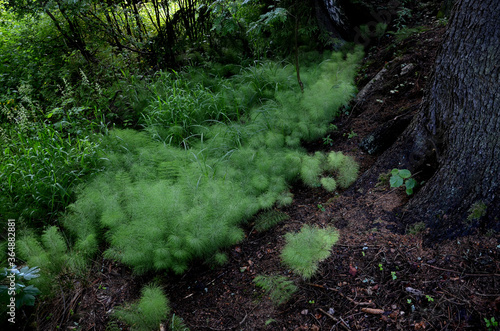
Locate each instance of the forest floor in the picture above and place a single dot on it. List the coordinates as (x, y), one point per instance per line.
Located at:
(380, 275)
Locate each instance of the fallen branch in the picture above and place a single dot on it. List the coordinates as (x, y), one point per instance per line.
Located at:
(373, 311)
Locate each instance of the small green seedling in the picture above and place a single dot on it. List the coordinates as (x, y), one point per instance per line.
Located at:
(328, 141)
(381, 267)
(351, 134)
(429, 298)
(321, 207)
(491, 323)
(400, 177)
(393, 274)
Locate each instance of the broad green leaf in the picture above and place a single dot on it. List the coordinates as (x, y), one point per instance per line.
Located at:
(396, 181)
(411, 183)
(405, 173)
(27, 296)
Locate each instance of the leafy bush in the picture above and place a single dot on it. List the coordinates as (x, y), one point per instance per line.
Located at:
(305, 249)
(146, 314)
(28, 55)
(279, 288)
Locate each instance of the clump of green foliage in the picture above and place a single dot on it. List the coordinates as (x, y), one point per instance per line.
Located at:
(279, 288)
(44, 155)
(304, 250)
(403, 176)
(39, 170)
(476, 211)
(24, 294)
(146, 314)
(417, 228)
(345, 166)
(491, 323)
(51, 254)
(160, 206)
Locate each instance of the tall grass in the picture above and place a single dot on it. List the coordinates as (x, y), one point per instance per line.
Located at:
(39, 170)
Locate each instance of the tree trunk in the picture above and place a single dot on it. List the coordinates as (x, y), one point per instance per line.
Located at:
(457, 130)
(332, 19)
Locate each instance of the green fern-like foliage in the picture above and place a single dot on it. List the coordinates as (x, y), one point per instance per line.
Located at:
(304, 250)
(279, 288)
(266, 220)
(329, 184)
(312, 167)
(146, 314)
(169, 196)
(476, 211)
(51, 254)
(344, 166)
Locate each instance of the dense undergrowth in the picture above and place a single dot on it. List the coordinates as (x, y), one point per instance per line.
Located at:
(154, 168)
(160, 205)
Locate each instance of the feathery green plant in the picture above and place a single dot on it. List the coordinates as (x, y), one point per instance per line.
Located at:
(279, 288)
(267, 219)
(305, 249)
(146, 314)
(51, 254)
(160, 206)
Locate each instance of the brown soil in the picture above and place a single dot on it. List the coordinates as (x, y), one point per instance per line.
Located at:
(380, 276)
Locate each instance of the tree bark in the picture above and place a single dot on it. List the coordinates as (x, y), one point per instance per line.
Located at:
(332, 19)
(458, 128)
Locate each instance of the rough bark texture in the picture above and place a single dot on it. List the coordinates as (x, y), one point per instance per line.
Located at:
(458, 127)
(331, 18)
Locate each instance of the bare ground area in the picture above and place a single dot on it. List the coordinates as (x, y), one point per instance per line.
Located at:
(379, 276)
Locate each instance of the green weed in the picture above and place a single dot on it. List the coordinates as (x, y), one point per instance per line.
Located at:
(491, 323)
(476, 211)
(305, 249)
(417, 228)
(24, 294)
(279, 288)
(39, 171)
(146, 314)
(400, 177)
(51, 254)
